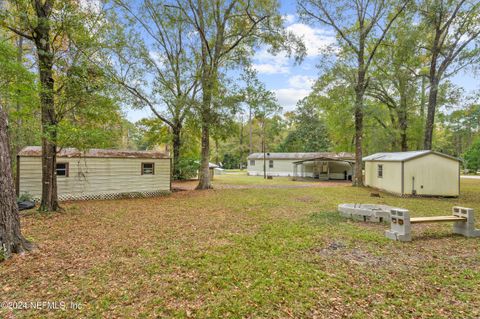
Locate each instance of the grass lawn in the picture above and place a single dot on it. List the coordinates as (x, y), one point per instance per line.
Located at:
(244, 179)
(255, 253)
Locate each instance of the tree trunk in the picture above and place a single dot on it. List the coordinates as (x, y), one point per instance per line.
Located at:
(264, 150)
(217, 158)
(11, 238)
(423, 98)
(359, 95)
(242, 150)
(17, 147)
(250, 145)
(49, 123)
(403, 120)
(358, 178)
(203, 174)
(177, 144)
(431, 108)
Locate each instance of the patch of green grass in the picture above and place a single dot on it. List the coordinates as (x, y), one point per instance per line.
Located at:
(244, 179)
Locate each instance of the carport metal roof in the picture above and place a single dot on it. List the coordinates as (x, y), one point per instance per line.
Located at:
(303, 156)
(403, 156)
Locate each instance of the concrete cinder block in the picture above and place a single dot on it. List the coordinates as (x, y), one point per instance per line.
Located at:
(466, 228)
(365, 212)
(400, 228)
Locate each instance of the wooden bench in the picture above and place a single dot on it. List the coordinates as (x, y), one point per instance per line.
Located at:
(436, 219)
(462, 218)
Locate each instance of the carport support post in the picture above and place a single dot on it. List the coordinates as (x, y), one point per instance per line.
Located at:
(264, 161)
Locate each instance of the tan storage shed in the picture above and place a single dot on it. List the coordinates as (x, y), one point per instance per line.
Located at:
(97, 173)
(425, 173)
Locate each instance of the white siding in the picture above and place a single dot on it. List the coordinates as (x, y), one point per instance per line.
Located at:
(392, 176)
(434, 175)
(280, 167)
(97, 175)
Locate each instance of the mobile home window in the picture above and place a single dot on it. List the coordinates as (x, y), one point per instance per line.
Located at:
(270, 164)
(148, 168)
(380, 171)
(252, 162)
(62, 169)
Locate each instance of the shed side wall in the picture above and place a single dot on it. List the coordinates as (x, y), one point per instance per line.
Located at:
(392, 176)
(438, 175)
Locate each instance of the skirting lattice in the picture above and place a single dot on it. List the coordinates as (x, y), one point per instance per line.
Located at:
(94, 196)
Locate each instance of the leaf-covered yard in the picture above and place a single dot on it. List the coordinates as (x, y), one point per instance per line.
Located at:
(262, 252)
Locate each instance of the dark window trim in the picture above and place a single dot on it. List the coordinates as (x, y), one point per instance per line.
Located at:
(67, 169)
(270, 163)
(143, 166)
(380, 170)
(252, 162)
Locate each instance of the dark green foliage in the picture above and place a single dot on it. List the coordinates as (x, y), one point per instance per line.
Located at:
(149, 133)
(309, 131)
(472, 156)
(187, 168)
(231, 161)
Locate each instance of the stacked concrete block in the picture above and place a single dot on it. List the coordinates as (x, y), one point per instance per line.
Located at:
(466, 228)
(401, 228)
(462, 218)
(365, 212)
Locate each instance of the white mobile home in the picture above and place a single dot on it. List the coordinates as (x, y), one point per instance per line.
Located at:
(318, 165)
(97, 173)
(426, 173)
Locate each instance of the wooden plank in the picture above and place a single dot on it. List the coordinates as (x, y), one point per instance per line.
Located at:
(437, 219)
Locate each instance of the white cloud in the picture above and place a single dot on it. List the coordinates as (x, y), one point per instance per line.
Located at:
(267, 63)
(157, 57)
(93, 6)
(316, 39)
(289, 18)
(271, 68)
(301, 81)
(299, 87)
(288, 97)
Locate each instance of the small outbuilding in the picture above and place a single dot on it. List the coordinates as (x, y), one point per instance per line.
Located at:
(211, 169)
(97, 173)
(425, 173)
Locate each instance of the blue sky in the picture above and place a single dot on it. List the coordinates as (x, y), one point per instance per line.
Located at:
(291, 82)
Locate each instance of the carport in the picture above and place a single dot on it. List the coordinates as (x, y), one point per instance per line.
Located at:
(324, 168)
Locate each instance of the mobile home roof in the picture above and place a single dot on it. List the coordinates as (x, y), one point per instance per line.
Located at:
(403, 156)
(301, 156)
(36, 151)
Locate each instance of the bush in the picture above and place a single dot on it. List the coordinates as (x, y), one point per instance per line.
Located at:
(187, 169)
(231, 161)
(472, 157)
(25, 197)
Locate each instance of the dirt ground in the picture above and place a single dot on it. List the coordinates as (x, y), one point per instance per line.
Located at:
(191, 184)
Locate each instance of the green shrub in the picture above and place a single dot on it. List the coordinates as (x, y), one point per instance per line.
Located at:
(25, 197)
(472, 157)
(187, 168)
